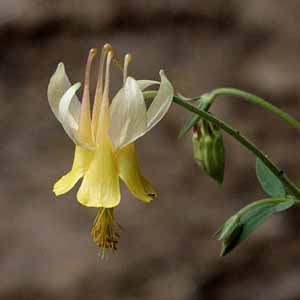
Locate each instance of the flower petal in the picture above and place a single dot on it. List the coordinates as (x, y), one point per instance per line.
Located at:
(144, 84)
(128, 114)
(100, 185)
(59, 83)
(161, 103)
(82, 159)
(129, 171)
(67, 120)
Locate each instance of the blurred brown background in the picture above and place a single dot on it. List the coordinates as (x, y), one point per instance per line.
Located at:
(166, 250)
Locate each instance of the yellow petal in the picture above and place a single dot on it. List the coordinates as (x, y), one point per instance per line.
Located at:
(130, 173)
(100, 185)
(82, 159)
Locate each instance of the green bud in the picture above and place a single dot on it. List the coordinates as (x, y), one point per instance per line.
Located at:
(227, 228)
(229, 234)
(209, 149)
(232, 240)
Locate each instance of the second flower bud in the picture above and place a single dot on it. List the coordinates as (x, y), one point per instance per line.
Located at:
(209, 149)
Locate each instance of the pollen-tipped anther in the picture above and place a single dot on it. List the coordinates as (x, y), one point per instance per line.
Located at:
(107, 47)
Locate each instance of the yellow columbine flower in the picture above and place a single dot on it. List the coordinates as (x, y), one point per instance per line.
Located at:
(104, 138)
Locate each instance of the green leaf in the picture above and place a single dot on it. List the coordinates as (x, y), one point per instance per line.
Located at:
(269, 182)
(189, 124)
(285, 205)
(259, 215)
(249, 221)
(263, 206)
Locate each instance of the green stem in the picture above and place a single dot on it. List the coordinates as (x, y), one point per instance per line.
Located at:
(240, 138)
(208, 99)
(244, 141)
(255, 100)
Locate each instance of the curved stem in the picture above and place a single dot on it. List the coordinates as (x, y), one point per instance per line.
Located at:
(255, 100)
(240, 138)
(208, 99)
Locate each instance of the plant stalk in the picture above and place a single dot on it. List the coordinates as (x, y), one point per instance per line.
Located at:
(240, 138)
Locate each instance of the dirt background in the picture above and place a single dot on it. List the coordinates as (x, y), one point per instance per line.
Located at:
(166, 249)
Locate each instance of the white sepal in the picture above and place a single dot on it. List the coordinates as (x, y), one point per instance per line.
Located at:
(161, 103)
(67, 120)
(58, 85)
(128, 114)
(144, 84)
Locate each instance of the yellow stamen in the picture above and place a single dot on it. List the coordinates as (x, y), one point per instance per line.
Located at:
(105, 231)
(85, 132)
(127, 60)
(99, 88)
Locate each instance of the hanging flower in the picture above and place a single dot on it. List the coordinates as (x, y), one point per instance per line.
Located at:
(104, 138)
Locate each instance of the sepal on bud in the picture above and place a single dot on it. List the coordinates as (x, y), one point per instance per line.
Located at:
(209, 149)
(229, 234)
(244, 222)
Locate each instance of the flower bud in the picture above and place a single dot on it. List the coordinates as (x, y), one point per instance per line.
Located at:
(232, 240)
(229, 234)
(209, 149)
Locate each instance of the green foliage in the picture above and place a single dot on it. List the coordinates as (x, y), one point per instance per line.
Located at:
(283, 191)
(269, 182)
(241, 225)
